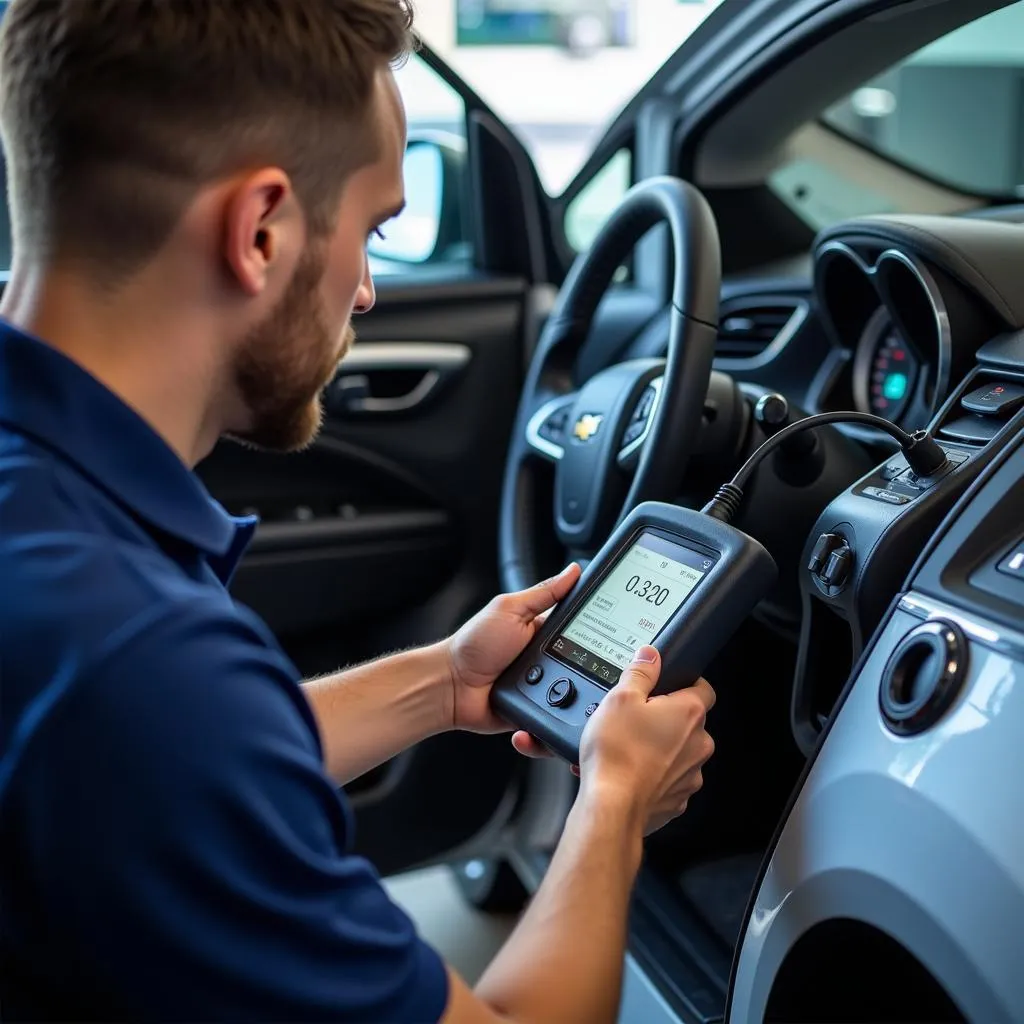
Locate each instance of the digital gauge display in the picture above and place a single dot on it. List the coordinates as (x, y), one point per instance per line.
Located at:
(894, 371)
(630, 606)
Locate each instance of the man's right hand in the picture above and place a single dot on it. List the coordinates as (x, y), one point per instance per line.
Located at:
(646, 749)
(640, 763)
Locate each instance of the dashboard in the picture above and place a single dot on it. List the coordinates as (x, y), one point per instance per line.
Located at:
(889, 375)
(888, 318)
(916, 319)
(883, 316)
(892, 313)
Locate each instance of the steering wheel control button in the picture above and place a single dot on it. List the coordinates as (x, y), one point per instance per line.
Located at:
(643, 407)
(553, 428)
(561, 693)
(923, 677)
(534, 674)
(881, 494)
(1013, 563)
(1001, 399)
(590, 709)
(633, 431)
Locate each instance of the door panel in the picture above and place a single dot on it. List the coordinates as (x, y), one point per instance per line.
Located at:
(382, 534)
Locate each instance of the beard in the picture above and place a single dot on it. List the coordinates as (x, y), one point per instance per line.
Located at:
(286, 362)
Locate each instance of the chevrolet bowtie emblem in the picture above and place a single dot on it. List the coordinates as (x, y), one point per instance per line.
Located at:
(586, 427)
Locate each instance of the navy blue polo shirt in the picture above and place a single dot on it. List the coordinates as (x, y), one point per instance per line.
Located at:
(170, 845)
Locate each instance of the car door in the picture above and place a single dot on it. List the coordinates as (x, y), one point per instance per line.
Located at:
(382, 534)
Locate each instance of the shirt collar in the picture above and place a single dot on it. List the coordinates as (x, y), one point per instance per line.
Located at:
(51, 398)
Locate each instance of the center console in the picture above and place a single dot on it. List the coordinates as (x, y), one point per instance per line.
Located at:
(895, 887)
(867, 539)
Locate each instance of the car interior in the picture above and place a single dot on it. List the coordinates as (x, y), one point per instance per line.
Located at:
(830, 269)
(434, 483)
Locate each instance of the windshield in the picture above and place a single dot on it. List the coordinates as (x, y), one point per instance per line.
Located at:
(557, 71)
(953, 111)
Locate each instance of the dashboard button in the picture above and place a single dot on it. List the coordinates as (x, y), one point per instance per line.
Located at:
(534, 674)
(893, 469)
(890, 497)
(590, 709)
(837, 568)
(561, 693)
(824, 546)
(1013, 563)
(997, 399)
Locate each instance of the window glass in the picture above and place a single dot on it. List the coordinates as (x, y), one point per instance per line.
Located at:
(557, 71)
(954, 110)
(586, 214)
(431, 230)
(952, 113)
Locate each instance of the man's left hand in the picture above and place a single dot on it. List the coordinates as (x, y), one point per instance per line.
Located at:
(487, 644)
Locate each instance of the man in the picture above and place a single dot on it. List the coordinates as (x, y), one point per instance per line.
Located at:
(192, 184)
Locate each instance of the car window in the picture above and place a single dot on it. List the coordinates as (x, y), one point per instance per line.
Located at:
(954, 110)
(557, 71)
(432, 230)
(952, 113)
(592, 206)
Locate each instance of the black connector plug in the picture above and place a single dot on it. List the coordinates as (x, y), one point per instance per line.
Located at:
(924, 454)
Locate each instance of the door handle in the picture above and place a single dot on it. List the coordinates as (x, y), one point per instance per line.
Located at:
(422, 367)
(352, 393)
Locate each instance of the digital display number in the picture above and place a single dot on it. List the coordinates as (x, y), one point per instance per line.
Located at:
(630, 606)
(647, 590)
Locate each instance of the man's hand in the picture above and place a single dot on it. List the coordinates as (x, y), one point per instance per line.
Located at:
(486, 645)
(640, 763)
(647, 751)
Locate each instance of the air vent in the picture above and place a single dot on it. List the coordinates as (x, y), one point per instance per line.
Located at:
(746, 332)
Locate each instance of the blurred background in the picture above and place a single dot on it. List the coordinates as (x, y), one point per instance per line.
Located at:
(555, 70)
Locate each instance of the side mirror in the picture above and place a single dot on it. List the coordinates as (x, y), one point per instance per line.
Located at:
(431, 227)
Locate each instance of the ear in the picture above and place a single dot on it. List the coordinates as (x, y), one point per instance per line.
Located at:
(263, 228)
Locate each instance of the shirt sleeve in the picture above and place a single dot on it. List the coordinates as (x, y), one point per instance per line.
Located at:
(191, 851)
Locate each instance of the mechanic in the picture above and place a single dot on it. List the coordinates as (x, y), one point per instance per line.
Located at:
(192, 185)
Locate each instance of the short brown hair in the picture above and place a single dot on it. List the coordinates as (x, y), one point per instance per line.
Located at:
(114, 112)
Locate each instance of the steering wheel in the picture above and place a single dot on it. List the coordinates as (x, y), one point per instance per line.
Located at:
(626, 434)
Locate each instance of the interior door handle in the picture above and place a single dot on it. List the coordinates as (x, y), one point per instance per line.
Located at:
(351, 392)
(374, 366)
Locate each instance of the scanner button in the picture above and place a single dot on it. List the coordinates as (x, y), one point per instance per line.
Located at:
(561, 693)
(534, 674)
(590, 709)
